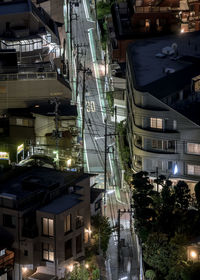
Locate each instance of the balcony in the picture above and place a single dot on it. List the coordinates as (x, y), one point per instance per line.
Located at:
(28, 76)
(6, 262)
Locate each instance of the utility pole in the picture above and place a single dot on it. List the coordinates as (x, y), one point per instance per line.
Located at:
(105, 163)
(78, 52)
(118, 233)
(56, 132)
(115, 112)
(83, 115)
(77, 69)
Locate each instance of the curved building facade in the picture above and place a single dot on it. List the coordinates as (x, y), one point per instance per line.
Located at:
(163, 98)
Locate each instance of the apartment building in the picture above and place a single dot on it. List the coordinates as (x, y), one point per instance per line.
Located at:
(134, 20)
(31, 56)
(163, 106)
(47, 212)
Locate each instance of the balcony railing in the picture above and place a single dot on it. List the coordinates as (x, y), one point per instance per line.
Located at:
(6, 262)
(29, 76)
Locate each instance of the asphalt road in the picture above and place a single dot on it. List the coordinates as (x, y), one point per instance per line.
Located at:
(84, 34)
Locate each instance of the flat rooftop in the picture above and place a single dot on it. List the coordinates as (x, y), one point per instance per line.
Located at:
(61, 204)
(164, 65)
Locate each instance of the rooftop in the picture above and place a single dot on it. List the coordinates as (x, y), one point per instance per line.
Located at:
(61, 204)
(166, 65)
(27, 185)
(154, 69)
(37, 20)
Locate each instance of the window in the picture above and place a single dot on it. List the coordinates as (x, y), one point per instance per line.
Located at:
(67, 224)
(68, 249)
(47, 252)
(170, 165)
(19, 121)
(193, 169)
(163, 144)
(47, 227)
(79, 221)
(157, 144)
(9, 221)
(98, 205)
(193, 148)
(156, 123)
(79, 243)
(26, 253)
(2, 252)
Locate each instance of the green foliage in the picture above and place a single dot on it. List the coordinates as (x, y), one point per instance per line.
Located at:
(103, 9)
(150, 274)
(165, 224)
(191, 271)
(197, 194)
(110, 98)
(124, 151)
(101, 231)
(182, 195)
(156, 252)
(78, 273)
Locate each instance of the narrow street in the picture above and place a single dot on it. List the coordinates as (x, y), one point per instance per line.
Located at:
(84, 34)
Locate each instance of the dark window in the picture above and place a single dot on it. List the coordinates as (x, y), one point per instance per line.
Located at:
(79, 243)
(9, 221)
(79, 221)
(171, 144)
(170, 165)
(26, 253)
(68, 249)
(98, 205)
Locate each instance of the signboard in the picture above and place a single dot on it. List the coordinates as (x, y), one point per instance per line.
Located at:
(20, 148)
(4, 155)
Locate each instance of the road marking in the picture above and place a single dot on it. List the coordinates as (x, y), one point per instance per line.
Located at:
(90, 106)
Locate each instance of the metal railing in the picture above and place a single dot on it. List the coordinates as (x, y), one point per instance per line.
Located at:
(28, 76)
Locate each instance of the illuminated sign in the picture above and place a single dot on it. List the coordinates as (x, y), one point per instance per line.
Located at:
(4, 155)
(20, 148)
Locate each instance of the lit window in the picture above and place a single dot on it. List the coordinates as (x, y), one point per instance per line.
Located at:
(67, 223)
(19, 121)
(2, 252)
(193, 148)
(156, 123)
(47, 252)
(47, 227)
(193, 169)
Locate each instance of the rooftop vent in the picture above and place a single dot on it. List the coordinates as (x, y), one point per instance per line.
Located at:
(169, 70)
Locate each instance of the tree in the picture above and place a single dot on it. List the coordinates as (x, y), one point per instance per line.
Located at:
(191, 271)
(78, 273)
(182, 195)
(101, 231)
(150, 274)
(197, 194)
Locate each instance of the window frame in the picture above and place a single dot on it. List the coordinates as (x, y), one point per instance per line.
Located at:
(49, 250)
(154, 123)
(65, 224)
(193, 152)
(48, 227)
